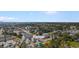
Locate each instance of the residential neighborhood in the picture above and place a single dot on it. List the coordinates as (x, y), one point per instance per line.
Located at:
(39, 35)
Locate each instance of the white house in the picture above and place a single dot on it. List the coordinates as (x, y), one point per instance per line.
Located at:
(38, 37)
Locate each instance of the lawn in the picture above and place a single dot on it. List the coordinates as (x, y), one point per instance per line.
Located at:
(74, 44)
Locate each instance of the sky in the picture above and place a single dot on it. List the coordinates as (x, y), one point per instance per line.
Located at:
(39, 16)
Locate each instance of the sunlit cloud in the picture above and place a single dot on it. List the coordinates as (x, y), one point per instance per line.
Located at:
(6, 18)
(50, 12)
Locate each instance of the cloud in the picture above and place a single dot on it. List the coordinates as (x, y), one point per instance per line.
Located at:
(50, 12)
(6, 18)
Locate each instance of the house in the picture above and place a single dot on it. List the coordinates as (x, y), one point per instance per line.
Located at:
(38, 37)
(46, 35)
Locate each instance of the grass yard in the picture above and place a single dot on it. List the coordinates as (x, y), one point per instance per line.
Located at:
(74, 44)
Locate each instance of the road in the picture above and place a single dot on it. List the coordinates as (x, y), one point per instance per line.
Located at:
(25, 36)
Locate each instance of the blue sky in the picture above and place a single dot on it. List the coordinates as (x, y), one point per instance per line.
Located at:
(39, 16)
